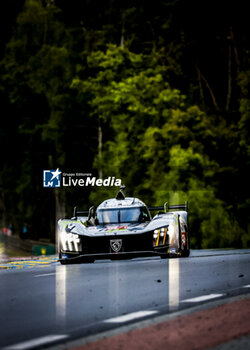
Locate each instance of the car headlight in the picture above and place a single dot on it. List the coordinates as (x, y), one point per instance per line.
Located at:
(155, 235)
(160, 236)
(70, 241)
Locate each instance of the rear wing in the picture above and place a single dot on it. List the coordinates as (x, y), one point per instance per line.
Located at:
(166, 208)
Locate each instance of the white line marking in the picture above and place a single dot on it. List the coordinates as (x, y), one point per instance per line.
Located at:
(45, 274)
(173, 283)
(60, 294)
(130, 317)
(29, 344)
(202, 298)
(247, 286)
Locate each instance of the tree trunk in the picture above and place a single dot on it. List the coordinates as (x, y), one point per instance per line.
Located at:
(60, 211)
(100, 172)
(200, 86)
(208, 87)
(236, 55)
(229, 74)
(3, 209)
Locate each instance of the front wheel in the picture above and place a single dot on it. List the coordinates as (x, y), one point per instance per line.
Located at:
(164, 256)
(88, 261)
(63, 261)
(185, 251)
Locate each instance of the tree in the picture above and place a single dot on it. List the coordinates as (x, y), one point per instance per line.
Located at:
(36, 73)
(130, 89)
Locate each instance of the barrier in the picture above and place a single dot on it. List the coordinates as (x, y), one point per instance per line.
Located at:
(27, 246)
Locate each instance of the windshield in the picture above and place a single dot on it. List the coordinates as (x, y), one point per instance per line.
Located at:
(122, 215)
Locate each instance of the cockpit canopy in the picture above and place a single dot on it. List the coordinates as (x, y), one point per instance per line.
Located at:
(121, 215)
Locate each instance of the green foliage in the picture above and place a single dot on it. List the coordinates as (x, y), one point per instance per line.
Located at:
(130, 90)
(244, 123)
(36, 75)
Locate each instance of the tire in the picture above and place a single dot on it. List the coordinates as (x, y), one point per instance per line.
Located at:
(64, 261)
(75, 261)
(88, 261)
(164, 256)
(186, 251)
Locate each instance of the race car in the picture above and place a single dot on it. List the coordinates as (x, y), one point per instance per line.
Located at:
(122, 227)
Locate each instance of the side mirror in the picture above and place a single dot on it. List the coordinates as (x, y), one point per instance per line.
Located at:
(91, 212)
(91, 216)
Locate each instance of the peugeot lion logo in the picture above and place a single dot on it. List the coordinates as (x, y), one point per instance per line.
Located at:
(116, 245)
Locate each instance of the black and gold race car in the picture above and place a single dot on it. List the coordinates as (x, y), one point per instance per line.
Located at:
(122, 227)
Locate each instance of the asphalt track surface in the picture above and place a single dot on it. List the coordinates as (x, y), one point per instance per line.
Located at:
(43, 303)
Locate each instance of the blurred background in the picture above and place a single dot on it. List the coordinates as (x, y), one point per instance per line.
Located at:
(155, 93)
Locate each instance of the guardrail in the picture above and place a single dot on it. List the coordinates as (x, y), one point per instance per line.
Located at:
(29, 246)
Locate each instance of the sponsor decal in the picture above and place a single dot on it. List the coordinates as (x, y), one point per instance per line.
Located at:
(56, 178)
(116, 228)
(116, 245)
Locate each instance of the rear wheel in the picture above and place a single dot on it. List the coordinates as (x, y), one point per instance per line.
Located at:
(185, 244)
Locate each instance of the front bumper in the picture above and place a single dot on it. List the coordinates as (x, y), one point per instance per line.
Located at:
(94, 248)
(70, 256)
